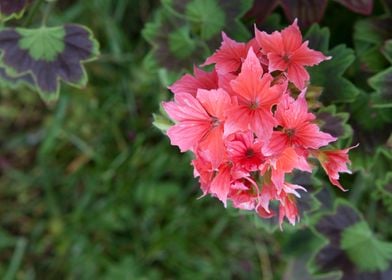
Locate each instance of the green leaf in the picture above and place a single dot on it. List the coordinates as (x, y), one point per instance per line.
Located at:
(45, 43)
(334, 123)
(329, 75)
(318, 38)
(382, 83)
(49, 54)
(387, 50)
(206, 15)
(384, 191)
(364, 249)
(369, 36)
(181, 43)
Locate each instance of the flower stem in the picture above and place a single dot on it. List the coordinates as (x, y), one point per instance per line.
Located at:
(48, 9)
(32, 12)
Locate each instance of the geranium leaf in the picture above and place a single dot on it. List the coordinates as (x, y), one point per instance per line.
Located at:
(364, 7)
(384, 191)
(329, 75)
(207, 17)
(334, 123)
(364, 249)
(13, 82)
(352, 247)
(49, 54)
(387, 50)
(318, 38)
(307, 11)
(179, 26)
(261, 9)
(181, 43)
(382, 83)
(369, 37)
(12, 8)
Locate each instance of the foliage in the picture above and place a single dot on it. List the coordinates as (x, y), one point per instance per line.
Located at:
(89, 189)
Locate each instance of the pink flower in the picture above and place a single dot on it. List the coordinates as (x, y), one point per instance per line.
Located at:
(286, 52)
(199, 122)
(334, 162)
(296, 128)
(230, 56)
(247, 130)
(201, 80)
(256, 97)
(286, 198)
(245, 151)
(220, 185)
(285, 163)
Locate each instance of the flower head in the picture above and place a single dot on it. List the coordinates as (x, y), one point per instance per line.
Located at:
(245, 127)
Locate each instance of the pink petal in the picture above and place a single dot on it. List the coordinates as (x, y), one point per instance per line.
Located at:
(276, 63)
(213, 146)
(220, 185)
(229, 56)
(269, 42)
(186, 135)
(248, 83)
(308, 57)
(238, 119)
(291, 37)
(190, 84)
(262, 123)
(185, 107)
(215, 102)
(310, 136)
(297, 74)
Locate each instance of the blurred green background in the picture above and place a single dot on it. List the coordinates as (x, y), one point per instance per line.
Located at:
(89, 189)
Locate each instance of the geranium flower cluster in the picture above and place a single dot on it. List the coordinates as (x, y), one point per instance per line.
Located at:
(247, 124)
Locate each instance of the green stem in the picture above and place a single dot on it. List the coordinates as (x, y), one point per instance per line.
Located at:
(16, 259)
(48, 9)
(33, 12)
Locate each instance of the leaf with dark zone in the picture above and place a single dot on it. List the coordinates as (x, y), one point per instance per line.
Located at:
(318, 38)
(334, 123)
(387, 50)
(370, 36)
(384, 191)
(363, 7)
(329, 74)
(49, 54)
(176, 40)
(307, 11)
(350, 243)
(12, 82)
(382, 83)
(12, 8)
(261, 9)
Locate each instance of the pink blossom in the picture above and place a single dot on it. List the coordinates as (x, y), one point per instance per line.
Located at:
(229, 57)
(296, 127)
(286, 52)
(247, 130)
(334, 162)
(199, 121)
(244, 150)
(256, 96)
(200, 80)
